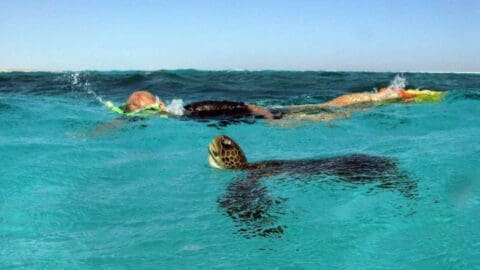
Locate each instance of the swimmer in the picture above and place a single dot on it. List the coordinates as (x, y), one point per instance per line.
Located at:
(142, 103)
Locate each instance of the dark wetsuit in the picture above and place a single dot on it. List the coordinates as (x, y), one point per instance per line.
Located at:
(218, 110)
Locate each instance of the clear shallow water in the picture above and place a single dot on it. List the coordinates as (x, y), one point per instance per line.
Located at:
(77, 193)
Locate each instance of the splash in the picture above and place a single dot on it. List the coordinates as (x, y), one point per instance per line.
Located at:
(175, 107)
(75, 78)
(399, 82)
(78, 80)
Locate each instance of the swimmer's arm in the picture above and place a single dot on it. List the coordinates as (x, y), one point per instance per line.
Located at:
(305, 108)
(107, 127)
(322, 116)
(257, 110)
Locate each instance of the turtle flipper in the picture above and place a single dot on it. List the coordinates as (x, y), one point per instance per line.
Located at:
(400, 182)
(249, 204)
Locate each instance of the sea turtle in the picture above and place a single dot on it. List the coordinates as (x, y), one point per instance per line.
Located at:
(247, 200)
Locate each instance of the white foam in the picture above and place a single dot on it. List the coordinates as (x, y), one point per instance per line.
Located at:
(399, 82)
(74, 77)
(175, 106)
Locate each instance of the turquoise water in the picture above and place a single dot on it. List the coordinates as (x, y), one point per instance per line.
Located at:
(80, 191)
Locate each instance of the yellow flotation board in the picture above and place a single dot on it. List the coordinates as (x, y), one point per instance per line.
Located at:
(416, 95)
(147, 111)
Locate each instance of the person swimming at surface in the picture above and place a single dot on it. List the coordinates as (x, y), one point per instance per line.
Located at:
(144, 100)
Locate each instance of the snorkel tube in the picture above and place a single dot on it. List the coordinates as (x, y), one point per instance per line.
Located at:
(150, 110)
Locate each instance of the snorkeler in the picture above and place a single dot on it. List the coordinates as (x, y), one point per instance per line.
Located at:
(142, 103)
(143, 100)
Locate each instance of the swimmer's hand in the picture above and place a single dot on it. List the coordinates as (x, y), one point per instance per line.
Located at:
(161, 105)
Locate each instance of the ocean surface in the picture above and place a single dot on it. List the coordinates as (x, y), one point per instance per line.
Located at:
(81, 189)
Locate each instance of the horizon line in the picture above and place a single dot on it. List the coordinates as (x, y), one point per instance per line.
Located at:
(26, 70)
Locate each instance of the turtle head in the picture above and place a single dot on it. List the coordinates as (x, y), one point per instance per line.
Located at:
(224, 153)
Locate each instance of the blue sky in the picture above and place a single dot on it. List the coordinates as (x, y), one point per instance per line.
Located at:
(287, 35)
